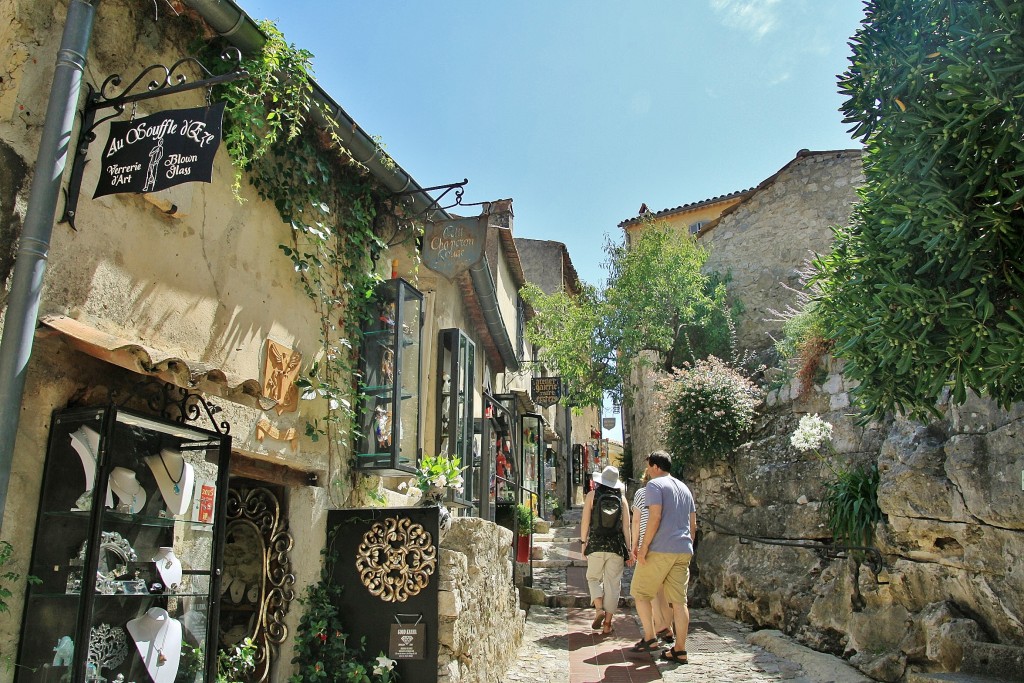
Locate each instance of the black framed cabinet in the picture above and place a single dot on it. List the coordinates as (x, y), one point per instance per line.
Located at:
(129, 550)
(456, 363)
(389, 409)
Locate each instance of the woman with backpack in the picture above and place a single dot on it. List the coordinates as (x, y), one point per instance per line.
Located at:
(604, 532)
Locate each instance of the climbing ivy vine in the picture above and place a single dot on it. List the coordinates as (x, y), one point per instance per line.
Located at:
(284, 141)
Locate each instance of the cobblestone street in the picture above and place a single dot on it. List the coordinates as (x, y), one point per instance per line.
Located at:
(560, 646)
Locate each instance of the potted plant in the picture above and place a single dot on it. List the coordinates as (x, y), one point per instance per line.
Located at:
(437, 474)
(524, 530)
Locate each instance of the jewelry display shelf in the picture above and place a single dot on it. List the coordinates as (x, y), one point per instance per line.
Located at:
(128, 549)
(388, 412)
(454, 436)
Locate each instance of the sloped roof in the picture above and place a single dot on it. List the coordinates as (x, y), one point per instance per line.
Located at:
(770, 180)
(143, 359)
(664, 213)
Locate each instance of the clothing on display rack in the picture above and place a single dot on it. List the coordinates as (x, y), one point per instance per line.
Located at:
(157, 637)
(174, 477)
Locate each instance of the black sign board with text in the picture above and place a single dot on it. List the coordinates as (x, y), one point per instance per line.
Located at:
(160, 151)
(546, 390)
(400, 624)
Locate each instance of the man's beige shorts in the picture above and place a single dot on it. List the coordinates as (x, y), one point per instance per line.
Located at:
(671, 570)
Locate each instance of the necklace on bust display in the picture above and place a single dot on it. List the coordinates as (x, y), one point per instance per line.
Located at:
(161, 658)
(176, 482)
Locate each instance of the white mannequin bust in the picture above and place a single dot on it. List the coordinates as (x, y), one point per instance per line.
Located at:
(157, 637)
(86, 442)
(175, 477)
(169, 567)
(130, 493)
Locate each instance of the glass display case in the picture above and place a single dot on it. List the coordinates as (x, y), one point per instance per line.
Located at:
(389, 409)
(128, 550)
(456, 363)
(531, 460)
(502, 466)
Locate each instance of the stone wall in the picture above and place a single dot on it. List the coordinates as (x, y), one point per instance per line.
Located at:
(952, 582)
(763, 241)
(480, 623)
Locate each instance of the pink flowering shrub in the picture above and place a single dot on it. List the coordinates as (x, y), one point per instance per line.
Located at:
(708, 409)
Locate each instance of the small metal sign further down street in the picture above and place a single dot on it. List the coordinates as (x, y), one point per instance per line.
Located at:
(160, 151)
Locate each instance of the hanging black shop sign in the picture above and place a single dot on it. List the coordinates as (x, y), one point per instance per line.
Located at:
(452, 246)
(160, 151)
(546, 390)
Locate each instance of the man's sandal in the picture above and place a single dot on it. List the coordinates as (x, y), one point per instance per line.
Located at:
(673, 655)
(598, 620)
(646, 646)
(666, 635)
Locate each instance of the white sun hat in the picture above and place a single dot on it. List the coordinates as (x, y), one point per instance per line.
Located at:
(609, 476)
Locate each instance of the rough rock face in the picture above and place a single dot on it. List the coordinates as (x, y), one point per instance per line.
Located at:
(481, 624)
(952, 540)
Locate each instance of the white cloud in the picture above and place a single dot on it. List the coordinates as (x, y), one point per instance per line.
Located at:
(757, 17)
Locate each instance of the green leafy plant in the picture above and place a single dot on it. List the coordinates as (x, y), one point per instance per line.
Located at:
(554, 505)
(285, 142)
(439, 472)
(924, 290)
(9, 576)
(190, 663)
(524, 519)
(324, 651)
(236, 662)
(656, 299)
(804, 345)
(851, 497)
(851, 502)
(707, 410)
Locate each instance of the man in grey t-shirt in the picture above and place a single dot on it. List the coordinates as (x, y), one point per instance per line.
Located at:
(664, 556)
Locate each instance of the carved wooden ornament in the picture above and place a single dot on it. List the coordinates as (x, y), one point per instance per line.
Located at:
(280, 370)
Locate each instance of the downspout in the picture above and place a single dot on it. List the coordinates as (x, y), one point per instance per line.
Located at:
(231, 22)
(34, 245)
(483, 285)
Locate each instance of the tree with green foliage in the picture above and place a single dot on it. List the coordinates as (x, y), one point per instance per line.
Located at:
(925, 289)
(656, 299)
(569, 330)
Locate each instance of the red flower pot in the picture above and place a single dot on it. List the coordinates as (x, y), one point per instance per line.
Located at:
(523, 547)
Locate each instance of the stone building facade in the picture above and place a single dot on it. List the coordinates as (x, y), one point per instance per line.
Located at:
(548, 265)
(763, 240)
(943, 593)
(188, 287)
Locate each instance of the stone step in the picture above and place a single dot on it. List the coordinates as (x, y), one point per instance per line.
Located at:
(959, 677)
(558, 564)
(536, 596)
(1002, 662)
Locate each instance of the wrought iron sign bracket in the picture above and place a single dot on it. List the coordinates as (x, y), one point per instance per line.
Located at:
(173, 403)
(168, 81)
(434, 205)
(435, 202)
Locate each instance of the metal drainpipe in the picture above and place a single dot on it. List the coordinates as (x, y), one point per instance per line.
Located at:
(34, 246)
(230, 21)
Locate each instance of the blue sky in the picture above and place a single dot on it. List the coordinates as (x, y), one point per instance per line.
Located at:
(582, 110)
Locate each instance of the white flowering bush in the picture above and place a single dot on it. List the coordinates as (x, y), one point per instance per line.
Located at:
(812, 434)
(438, 472)
(851, 497)
(707, 410)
